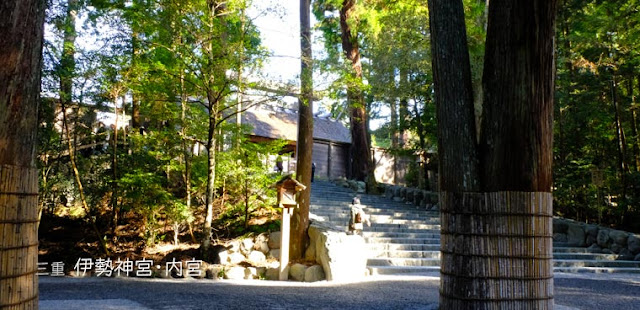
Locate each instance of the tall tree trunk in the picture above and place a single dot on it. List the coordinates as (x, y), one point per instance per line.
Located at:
(20, 63)
(404, 109)
(361, 162)
(516, 151)
(300, 223)
(458, 164)
(395, 138)
(213, 102)
(114, 173)
(496, 204)
(211, 177)
(634, 123)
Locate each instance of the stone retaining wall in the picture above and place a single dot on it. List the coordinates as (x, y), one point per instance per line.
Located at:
(414, 196)
(598, 239)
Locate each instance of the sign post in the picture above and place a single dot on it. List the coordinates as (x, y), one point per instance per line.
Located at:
(287, 189)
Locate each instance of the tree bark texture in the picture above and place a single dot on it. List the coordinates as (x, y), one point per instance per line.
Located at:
(20, 62)
(300, 223)
(496, 202)
(458, 164)
(519, 75)
(361, 165)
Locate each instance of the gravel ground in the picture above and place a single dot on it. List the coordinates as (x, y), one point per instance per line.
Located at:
(603, 292)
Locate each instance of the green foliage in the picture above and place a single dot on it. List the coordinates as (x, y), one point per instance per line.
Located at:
(597, 45)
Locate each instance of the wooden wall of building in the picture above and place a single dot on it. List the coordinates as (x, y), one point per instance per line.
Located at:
(331, 159)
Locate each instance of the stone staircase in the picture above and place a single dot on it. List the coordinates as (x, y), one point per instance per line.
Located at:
(404, 239)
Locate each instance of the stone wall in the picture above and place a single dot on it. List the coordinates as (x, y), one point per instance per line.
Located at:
(598, 239)
(414, 196)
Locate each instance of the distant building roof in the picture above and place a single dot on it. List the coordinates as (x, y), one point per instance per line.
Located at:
(284, 125)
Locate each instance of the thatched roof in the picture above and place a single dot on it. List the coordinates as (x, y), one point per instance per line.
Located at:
(284, 125)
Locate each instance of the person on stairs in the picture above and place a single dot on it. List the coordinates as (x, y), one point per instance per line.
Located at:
(358, 217)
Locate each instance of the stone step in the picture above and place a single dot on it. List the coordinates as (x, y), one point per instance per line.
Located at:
(372, 207)
(435, 253)
(384, 212)
(404, 254)
(435, 261)
(596, 270)
(596, 263)
(400, 234)
(584, 256)
(395, 261)
(402, 247)
(395, 270)
(403, 240)
(561, 249)
(430, 270)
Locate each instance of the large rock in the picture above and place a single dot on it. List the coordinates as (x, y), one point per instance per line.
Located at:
(410, 195)
(361, 187)
(236, 258)
(314, 273)
(633, 244)
(603, 238)
(235, 273)
(592, 233)
(272, 274)
(560, 226)
(296, 272)
(559, 237)
(418, 197)
(403, 193)
(246, 246)
(224, 257)
(257, 258)
(274, 240)
(619, 237)
(625, 254)
(342, 257)
(576, 235)
(234, 246)
(215, 272)
(255, 272)
(262, 243)
(592, 230)
(275, 253)
(616, 248)
(594, 248)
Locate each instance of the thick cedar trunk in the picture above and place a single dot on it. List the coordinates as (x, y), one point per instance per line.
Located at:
(516, 146)
(300, 223)
(361, 165)
(458, 164)
(518, 85)
(496, 203)
(20, 62)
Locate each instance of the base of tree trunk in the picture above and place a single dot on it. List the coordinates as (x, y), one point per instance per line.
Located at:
(18, 237)
(496, 250)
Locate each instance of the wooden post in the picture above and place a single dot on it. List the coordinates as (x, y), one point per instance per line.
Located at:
(285, 229)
